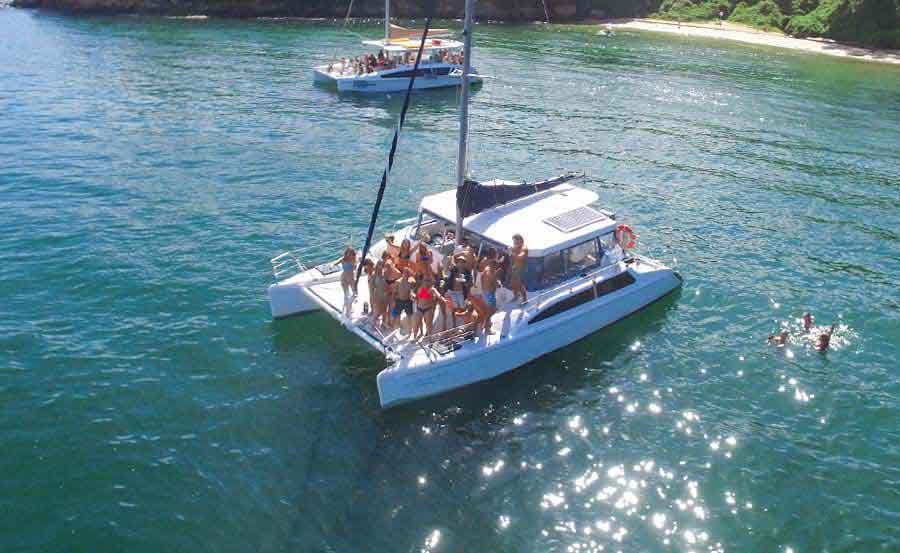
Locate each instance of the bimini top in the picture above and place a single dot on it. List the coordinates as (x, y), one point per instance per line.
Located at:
(549, 221)
(402, 45)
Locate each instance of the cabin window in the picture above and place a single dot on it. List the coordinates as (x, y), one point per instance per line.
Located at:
(581, 257)
(602, 288)
(554, 269)
(570, 302)
(617, 282)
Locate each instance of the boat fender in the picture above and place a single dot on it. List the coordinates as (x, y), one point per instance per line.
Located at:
(626, 237)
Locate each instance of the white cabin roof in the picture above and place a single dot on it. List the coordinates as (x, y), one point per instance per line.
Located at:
(399, 46)
(528, 217)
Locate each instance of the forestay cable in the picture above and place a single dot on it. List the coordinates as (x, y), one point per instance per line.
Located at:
(390, 162)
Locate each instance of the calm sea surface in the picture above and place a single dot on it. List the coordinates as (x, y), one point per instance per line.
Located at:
(149, 168)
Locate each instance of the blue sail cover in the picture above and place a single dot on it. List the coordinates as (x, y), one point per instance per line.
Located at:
(473, 197)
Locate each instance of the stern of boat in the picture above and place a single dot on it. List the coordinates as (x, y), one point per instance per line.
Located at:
(294, 277)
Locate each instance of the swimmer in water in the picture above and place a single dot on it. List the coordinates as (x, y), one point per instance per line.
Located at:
(807, 321)
(825, 339)
(779, 339)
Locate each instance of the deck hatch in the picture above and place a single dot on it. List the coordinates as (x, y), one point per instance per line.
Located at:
(575, 219)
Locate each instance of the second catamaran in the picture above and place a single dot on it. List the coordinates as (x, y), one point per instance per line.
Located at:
(391, 68)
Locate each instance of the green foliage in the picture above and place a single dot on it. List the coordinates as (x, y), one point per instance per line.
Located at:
(873, 22)
(818, 21)
(765, 14)
(692, 10)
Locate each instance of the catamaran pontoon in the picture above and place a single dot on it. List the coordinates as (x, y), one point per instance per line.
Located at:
(392, 71)
(581, 277)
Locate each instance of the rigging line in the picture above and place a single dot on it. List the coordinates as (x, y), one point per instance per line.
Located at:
(390, 163)
(346, 21)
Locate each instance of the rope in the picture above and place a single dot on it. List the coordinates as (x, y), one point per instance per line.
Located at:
(390, 163)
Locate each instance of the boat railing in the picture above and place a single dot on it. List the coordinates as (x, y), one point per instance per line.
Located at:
(296, 261)
(567, 288)
(442, 343)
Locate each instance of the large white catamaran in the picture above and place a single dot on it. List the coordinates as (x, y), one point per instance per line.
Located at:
(390, 70)
(581, 275)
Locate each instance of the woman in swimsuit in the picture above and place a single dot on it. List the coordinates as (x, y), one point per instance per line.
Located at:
(423, 260)
(404, 257)
(348, 282)
(427, 297)
(391, 276)
(378, 294)
(391, 248)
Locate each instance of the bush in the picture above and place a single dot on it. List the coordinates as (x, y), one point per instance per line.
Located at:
(817, 22)
(692, 10)
(765, 14)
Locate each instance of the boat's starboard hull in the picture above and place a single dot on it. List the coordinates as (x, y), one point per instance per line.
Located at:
(398, 385)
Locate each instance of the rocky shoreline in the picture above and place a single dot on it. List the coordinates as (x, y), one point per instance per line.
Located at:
(506, 10)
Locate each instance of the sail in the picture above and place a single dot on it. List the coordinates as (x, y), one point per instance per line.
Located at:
(398, 32)
(474, 197)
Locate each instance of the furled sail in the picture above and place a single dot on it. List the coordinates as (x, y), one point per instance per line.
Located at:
(398, 32)
(474, 197)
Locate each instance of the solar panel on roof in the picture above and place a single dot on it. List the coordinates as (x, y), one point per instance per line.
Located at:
(575, 219)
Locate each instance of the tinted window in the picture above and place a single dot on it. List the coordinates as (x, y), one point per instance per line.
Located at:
(581, 257)
(617, 282)
(554, 270)
(564, 305)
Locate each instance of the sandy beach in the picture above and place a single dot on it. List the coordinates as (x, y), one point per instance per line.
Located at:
(741, 33)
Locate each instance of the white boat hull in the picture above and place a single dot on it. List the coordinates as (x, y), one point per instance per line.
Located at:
(290, 297)
(381, 82)
(400, 384)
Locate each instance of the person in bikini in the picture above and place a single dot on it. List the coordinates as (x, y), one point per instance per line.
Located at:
(378, 295)
(391, 276)
(348, 279)
(518, 255)
(427, 297)
(392, 249)
(404, 256)
(422, 260)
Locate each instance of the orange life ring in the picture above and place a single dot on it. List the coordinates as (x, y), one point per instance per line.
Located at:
(626, 237)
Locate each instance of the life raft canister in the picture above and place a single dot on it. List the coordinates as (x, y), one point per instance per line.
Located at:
(626, 237)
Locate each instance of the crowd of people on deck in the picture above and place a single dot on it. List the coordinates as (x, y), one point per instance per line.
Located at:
(371, 63)
(408, 288)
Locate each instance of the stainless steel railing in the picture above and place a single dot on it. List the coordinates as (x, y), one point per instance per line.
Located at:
(296, 261)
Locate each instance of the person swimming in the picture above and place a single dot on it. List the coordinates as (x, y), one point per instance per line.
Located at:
(824, 340)
(780, 339)
(807, 321)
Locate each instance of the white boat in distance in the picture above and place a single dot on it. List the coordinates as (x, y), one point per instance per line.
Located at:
(580, 275)
(441, 65)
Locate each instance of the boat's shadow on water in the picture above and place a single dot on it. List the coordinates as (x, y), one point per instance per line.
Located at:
(318, 335)
(551, 380)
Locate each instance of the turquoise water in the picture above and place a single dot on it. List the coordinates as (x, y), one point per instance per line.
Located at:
(151, 167)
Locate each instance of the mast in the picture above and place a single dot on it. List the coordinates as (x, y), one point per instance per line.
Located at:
(464, 112)
(387, 21)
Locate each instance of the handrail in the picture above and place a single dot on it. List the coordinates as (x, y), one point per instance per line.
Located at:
(291, 262)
